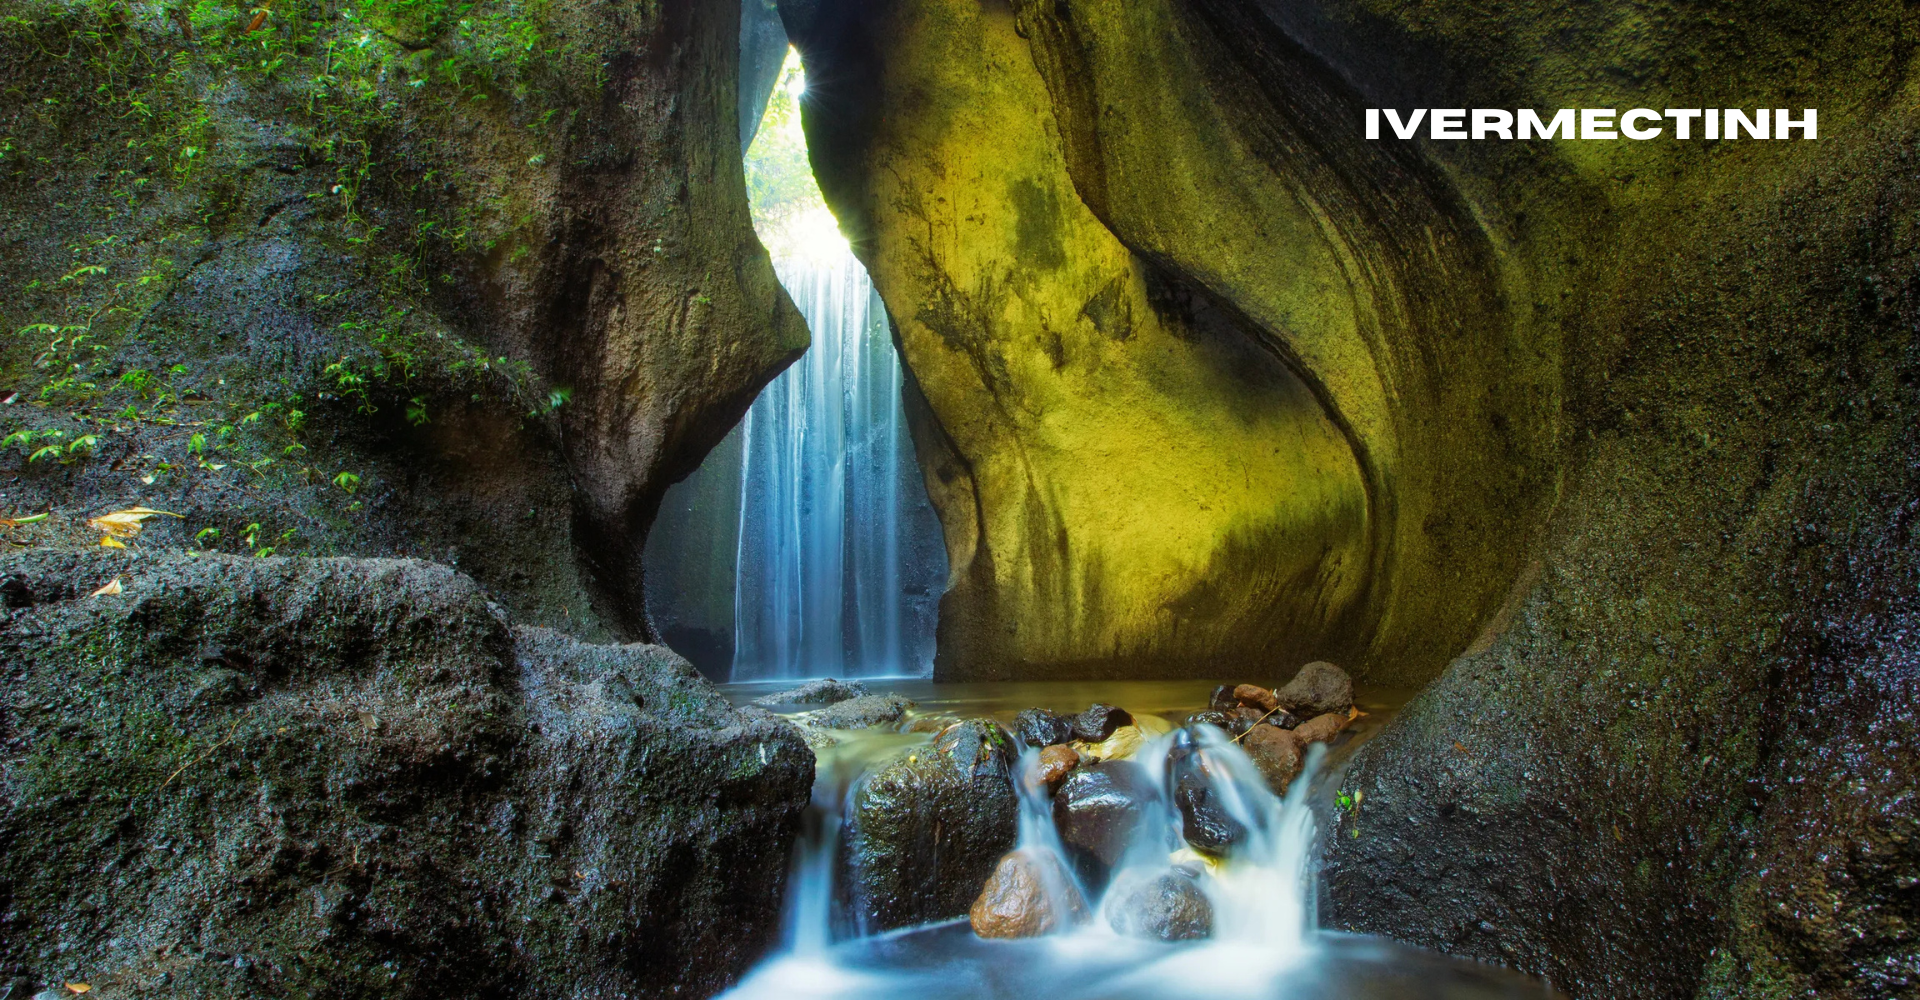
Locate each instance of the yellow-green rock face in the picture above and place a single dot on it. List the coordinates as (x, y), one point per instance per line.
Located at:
(1129, 479)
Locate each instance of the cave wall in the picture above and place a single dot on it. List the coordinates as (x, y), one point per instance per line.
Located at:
(468, 282)
(1635, 422)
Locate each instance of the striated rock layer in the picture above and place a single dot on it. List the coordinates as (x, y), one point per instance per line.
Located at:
(354, 778)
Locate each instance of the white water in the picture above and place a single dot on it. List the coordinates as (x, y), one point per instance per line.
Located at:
(823, 571)
(1263, 916)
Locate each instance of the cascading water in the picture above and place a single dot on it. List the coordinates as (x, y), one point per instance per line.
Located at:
(821, 587)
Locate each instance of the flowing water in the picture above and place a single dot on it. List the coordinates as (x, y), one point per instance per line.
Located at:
(1264, 942)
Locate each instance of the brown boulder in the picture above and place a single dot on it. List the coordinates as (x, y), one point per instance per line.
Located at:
(1254, 696)
(1028, 894)
(1322, 728)
(1278, 753)
(1056, 762)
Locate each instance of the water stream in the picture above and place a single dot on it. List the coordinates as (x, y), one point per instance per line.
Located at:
(1264, 942)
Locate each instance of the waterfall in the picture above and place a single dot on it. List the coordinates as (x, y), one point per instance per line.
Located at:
(823, 584)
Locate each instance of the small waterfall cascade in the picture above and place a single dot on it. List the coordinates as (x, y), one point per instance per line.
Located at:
(823, 573)
(1261, 896)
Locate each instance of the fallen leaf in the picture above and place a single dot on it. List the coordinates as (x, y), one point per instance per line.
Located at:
(369, 720)
(79, 987)
(1458, 747)
(125, 523)
(148, 479)
(110, 542)
(10, 523)
(113, 587)
(258, 20)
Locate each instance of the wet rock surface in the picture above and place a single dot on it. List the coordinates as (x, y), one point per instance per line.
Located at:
(1319, 688)
(1167, 905)
(1098, 723)
(1099, 806)
(863, 712)
(387, 790)
(1204, 821)
(1038, 727)
(1277, 753)
(1322, 728)
(1254, 696)
(926, 830)
(1028, 894)
(1056, 763)
(825, 691)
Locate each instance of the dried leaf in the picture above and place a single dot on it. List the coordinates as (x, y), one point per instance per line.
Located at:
(258, 20)
(10, 523)
(109, 542)
(113, 587)
(78, 987)
(369, 720)
(125, 523)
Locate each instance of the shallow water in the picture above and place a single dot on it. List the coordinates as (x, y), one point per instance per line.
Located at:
(1264, 942)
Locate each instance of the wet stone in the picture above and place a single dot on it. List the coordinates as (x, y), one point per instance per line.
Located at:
(1254, 696)
(1098, 807)
(1029, 894)
(1166, 904)
(1277, 753)
(1322, 728)
(1056, 763)
(1038, 727)
(1244, 718)
(1099, 721)
(1222, 699)
(1218, 720)
(825, 691)
(1319, 688)
(864, 712)
(1204, 821)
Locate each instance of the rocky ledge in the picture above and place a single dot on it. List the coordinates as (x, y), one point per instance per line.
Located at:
(229, 777)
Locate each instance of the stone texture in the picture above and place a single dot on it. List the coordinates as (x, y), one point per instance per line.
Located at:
(863, 712)
(925, 831)
(384, 789)
(1038, 727)
(1278, 753)
(497, 267)
(1098, 807)
(1321, 728)
(825, 691)
(1167, 905)
(1099, 722)
(1027, 895)
(1055, 764)
(1319, 688)
(1255, 696)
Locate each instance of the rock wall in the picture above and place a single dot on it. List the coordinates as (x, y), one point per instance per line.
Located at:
(473, 282)
(1631, 426)
(355, 778)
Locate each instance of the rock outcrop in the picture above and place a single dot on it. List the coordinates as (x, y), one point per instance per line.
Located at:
(1628, 424)
(471, 282)
(354, 778)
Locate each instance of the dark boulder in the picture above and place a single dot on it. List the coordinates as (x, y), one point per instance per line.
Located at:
(1319, 688)
(1038, 727)
(1166, 904)
(1216, 719)
(385, 789)
(1222, 699)
(864, 712)
(1098, 722)
(926, 830)
(825, 691)
(1099, 806)
(1204, 821)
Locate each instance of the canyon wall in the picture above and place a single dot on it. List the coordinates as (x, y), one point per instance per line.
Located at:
(473, 283)
(1627, 433)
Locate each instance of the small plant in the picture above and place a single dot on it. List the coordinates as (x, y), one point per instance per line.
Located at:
(348, 482)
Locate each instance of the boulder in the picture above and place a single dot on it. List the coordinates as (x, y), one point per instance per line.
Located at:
(1319, 688)
(1278, 754)
(1244, 718)
(925, 830)
(1098, 807)
(1030, 893)
(397, 782)
(1098, 722)
(1056, 763)
(1222, 699)
(825, 691)
(1204, 821)
(1038, 727)
(1322, 728)
(864, 712)
(1167, 904)
(1211, 717)
(1254, 696)
(1283, 719)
